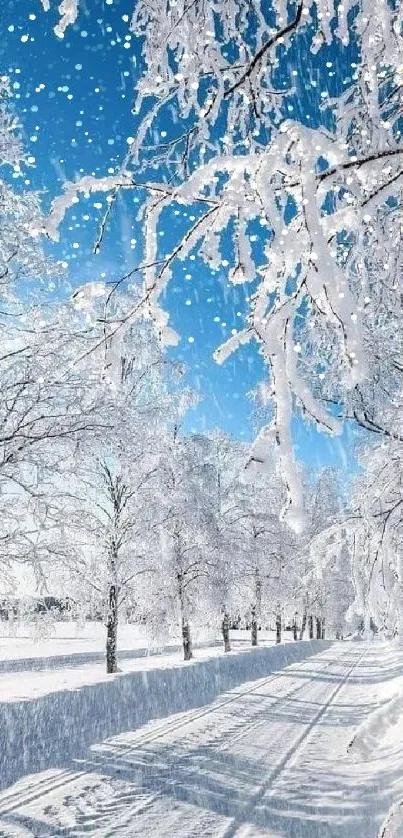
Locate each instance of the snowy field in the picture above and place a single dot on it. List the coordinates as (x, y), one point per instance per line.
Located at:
(275, 742)
(28, 677)
(69, 642)
(74, 657)
(70, 646)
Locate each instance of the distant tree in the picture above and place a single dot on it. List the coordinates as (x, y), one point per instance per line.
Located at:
(263, 545)
(106, 521)
(375, 533)
(186, 499)
(325, 586)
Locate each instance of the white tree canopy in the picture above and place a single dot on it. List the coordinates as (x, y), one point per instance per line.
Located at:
(218, 74)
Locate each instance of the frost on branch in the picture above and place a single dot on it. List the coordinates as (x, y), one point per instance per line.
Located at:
(21, 255)
(308, 257)
(335, 182)
(85, 296)
(11, 152)
(68, 10)
(71, 191)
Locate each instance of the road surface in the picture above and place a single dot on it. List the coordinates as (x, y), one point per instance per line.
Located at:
(267, 759)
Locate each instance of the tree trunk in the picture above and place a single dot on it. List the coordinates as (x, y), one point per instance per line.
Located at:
(295, 628)
(258, 583)
(186, 640)
(185, 627)
(225, 632)
(367, 624)
(256, 608)
(303, 625)
(318, 628)
(278, 626)
(186, 636)
(399, 598)
(112, 631)
(310, 626)
(253, 626)
(323, 629)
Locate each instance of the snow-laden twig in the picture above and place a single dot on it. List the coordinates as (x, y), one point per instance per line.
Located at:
(68, 11)
(71, 191)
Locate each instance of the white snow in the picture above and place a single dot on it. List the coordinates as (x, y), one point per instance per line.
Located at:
(233, 746)
(66, 638)
(393, 826)
(68, 11)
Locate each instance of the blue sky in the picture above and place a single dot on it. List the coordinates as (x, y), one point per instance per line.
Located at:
(74, 97)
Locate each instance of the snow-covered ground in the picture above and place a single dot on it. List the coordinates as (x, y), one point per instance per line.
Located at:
(246, 745)
(38, 646)
(22, 647)
(28, 678)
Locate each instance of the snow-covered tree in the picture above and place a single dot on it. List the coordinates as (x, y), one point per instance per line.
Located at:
(22, 261)
(376, 530)
(314, 194)
(229, 459)
(263, 546)
(300, 180)
(107, 518)
(44, 405)
(186, 499)
(325, 587)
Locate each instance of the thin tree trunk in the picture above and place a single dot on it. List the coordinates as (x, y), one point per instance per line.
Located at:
(258, 583)
(112, 631)
(253, 626)
(318, 628)
(295, 628)
(186, 640)
(399, 597)
(278, 626)
(323, 629)
(186, 636)
(310, 626)
(367, 624)
(303, 625)
(256, 609)
(185, 626)
(225, 632)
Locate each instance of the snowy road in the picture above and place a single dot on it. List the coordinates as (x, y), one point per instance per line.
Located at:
(266, 759)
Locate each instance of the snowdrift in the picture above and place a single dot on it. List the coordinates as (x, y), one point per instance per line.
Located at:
(52, 730)
(393, 826)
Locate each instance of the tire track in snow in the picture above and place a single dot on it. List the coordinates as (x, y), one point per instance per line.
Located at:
(119, 825)
(166, 730)
(47, 786)
(206, 822)
(248, 728)
(290, 755)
